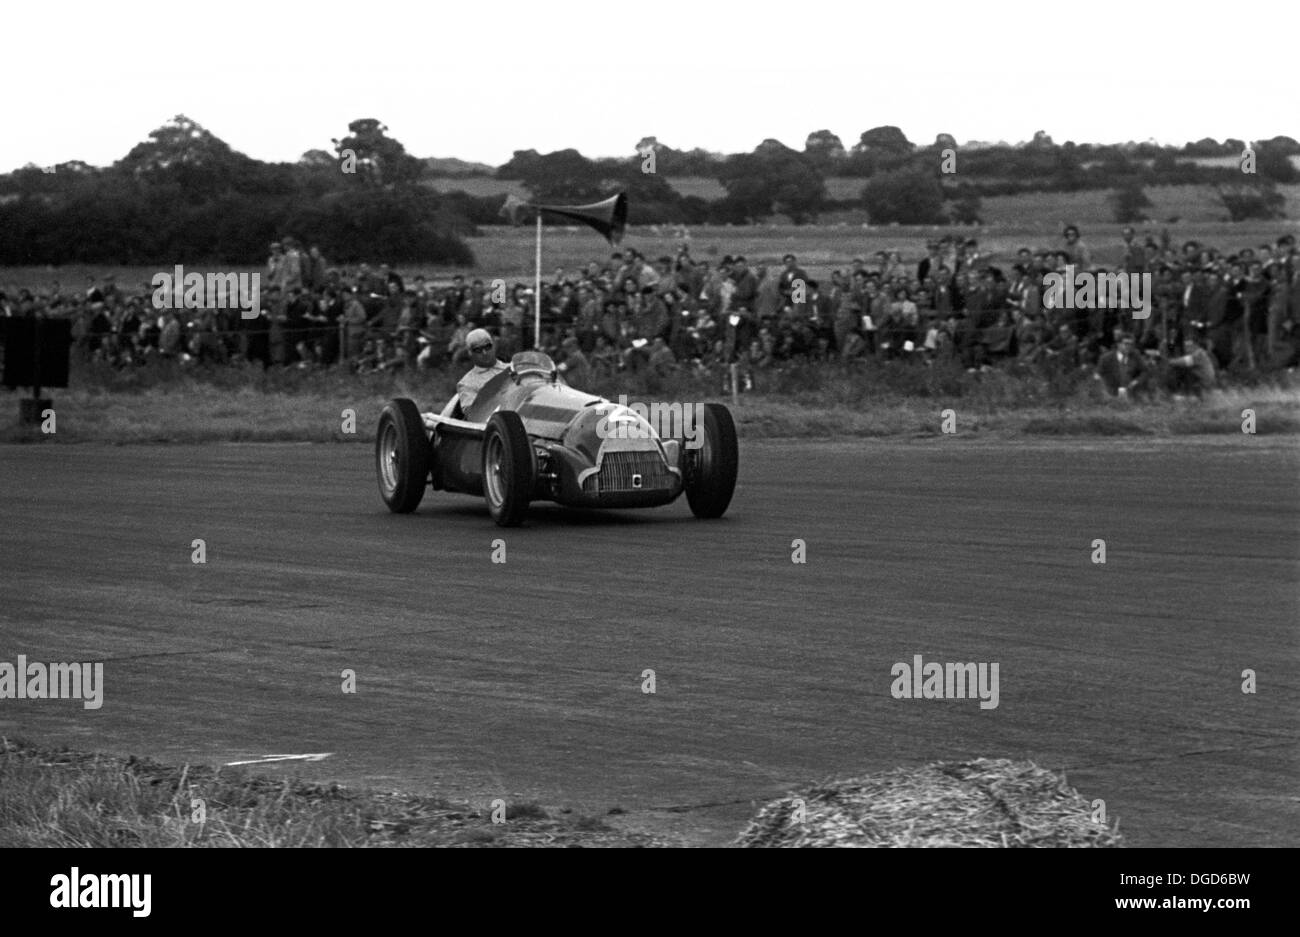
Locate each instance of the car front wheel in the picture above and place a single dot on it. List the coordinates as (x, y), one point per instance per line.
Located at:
(709, 472)
(402, 456)
(508, 471)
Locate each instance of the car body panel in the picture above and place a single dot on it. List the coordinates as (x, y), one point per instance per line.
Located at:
(580, 456)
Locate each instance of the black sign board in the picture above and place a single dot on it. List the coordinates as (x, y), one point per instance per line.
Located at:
(33, 359)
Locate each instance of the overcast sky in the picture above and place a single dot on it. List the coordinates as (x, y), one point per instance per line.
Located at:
(481, 79)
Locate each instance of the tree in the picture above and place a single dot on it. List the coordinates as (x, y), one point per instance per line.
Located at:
(380, 159)
(879, 149)
(1258, 201)
(318, 159)
(1041, 141)
(906, 196)
(966, 207)
(1164, 162)
(186, 156)
(1287, 145)
(565, 176)
(1272, 162)
(518, 164)
(185, 195)
(886, 140)
(1129, 203)
(823, 149)
(773, 179)
(1206, 146)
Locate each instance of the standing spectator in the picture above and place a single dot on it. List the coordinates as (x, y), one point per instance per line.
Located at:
(297, 327)
(277, 341)
(314, 269)
(746, 293)
(1076, 251)
(354, 324)
(289, 272)
(273, 262)
(770, 297)
(791, 275)
(169, 340)
(1279, 301)
(930, 263)
(1135, 258)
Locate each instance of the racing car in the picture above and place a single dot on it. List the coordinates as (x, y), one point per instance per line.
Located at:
(528, 436)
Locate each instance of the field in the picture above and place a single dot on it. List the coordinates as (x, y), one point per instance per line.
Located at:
(1186, 203)
(508, 251)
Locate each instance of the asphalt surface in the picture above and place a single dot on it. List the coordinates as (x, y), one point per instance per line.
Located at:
(524, 679)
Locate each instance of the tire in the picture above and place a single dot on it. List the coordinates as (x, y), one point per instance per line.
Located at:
(709, 473)
(508, 472)
(402, 456)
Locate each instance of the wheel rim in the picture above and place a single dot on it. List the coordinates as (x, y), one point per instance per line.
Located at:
(496, 486)
(388, 457)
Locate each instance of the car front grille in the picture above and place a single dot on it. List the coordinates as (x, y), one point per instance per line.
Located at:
(619, 471)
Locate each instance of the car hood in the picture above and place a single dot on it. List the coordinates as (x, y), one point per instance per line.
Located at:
(559, 413)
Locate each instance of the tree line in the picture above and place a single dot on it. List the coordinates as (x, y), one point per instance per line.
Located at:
(185, 194)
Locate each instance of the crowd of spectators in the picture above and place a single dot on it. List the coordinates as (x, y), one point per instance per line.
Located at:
(1211, 311)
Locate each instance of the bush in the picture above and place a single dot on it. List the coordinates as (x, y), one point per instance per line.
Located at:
(1245, 202)
(905, 196)
(1129, 204)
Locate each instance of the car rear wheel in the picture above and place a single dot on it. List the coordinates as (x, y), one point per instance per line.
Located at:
(508, 471)
(402, 456)
(709, 472)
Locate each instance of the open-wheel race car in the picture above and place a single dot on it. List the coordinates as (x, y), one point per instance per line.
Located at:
(528, 437)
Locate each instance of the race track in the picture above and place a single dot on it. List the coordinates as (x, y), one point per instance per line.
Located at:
(523, 679)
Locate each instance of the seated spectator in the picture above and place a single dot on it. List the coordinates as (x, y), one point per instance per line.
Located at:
(662, 360)
(1121, 369)
(1193, 372)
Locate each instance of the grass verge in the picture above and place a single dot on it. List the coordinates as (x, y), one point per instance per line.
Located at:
(62, 798)
(244, 404)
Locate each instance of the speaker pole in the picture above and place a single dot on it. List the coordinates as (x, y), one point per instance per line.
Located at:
(537, 289)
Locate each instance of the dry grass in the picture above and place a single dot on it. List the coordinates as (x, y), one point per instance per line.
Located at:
(72, 799)
(983, 803)
(245, 405)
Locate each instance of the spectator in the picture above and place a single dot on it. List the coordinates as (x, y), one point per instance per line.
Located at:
(289, 271)
(1194, 371)
(1121, 369)
(1076, 251)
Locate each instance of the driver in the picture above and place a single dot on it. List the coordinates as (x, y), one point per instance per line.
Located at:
(482, 351)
